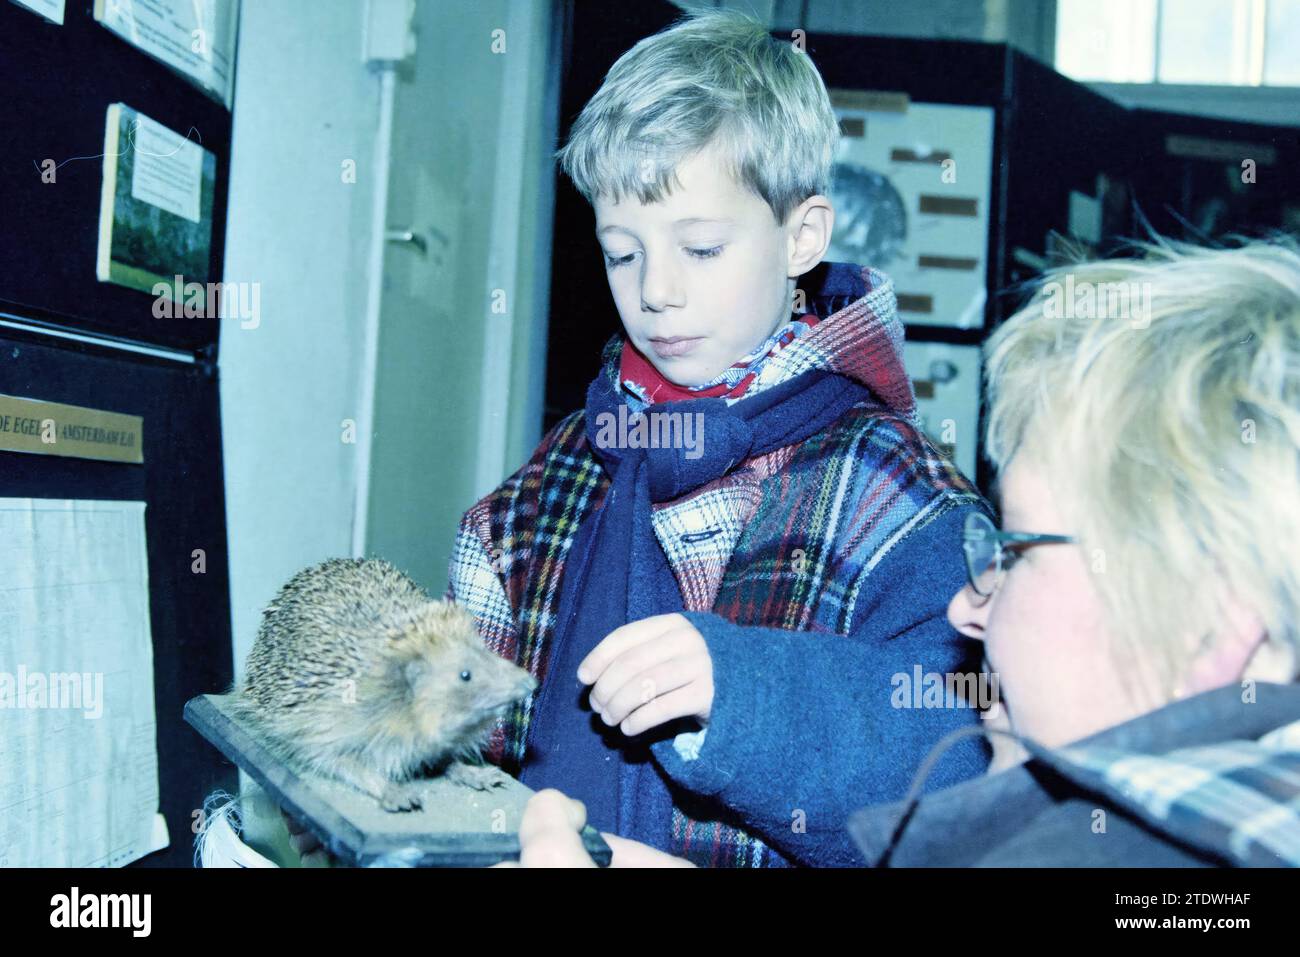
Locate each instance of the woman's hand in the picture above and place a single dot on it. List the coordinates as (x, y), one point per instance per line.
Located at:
(304, 843)
(550, 835)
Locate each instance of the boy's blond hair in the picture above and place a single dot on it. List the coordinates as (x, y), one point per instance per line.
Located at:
(711, 77)
(1170, 435)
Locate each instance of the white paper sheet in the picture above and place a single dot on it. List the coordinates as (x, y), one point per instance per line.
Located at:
(950, 413)
(79, 762)
(50, 9)
(888, 182)
(194, 37)
(168, 169)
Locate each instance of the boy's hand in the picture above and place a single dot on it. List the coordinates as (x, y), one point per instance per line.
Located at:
(649, 672)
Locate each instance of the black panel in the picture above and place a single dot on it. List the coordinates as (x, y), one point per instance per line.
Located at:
(583, 316)
(57, 83)
(1060, 136)
(181, 484)
(1204, 199)
(930, 71)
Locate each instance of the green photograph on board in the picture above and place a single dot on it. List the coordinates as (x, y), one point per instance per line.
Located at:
(155, 218)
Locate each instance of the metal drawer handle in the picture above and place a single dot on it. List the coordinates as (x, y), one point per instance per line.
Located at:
(408, 236)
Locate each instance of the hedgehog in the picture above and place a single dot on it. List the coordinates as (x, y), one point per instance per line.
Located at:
(357, 674)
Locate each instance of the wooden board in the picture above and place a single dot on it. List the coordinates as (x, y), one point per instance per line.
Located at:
(457, 827)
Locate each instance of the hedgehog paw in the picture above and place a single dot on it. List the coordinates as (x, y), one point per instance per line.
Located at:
(480, 777)
(400, 796)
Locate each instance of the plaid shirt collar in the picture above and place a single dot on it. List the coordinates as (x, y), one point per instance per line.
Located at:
(859, 335)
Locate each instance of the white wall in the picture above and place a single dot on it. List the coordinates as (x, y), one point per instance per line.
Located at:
(303, 104)
(459, 385)
(471, 141)
(470, 159)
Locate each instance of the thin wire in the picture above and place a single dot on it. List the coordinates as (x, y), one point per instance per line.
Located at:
(923, 773)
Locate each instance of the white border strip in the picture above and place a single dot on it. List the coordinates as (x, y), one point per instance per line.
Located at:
(10, 321)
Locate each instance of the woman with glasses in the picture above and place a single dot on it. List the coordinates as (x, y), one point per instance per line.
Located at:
(1138, 606)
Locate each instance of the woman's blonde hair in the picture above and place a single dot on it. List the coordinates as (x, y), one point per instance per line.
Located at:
(1161, 395)
(714, 77)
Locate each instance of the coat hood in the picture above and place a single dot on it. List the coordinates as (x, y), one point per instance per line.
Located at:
(859, 336)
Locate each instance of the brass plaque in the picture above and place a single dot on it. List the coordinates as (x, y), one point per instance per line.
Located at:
(1224, 151)
(937, 157)
(946, 262)
(883, 101)
(52, 428)
(948, 205)
(915, 303)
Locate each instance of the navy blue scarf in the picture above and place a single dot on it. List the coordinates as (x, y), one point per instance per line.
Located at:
(617, 573)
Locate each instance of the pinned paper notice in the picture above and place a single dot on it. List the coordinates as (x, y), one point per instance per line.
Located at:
(168, 169)
(78, 751)
(912, 193)
(946, 379)
(196, 38)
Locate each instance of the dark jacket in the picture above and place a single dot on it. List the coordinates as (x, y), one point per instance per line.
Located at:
(1210, 781)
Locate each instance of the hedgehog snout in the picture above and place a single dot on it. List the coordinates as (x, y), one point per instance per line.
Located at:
(501, 682)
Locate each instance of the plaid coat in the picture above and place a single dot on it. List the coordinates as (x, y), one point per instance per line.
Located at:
(795, 540)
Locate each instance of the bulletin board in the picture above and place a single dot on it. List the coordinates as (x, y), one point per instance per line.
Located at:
(59, 81)
(985, 153)
(180, 482)
(911, 188)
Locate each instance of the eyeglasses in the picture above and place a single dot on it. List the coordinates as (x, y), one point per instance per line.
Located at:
(990, 552)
